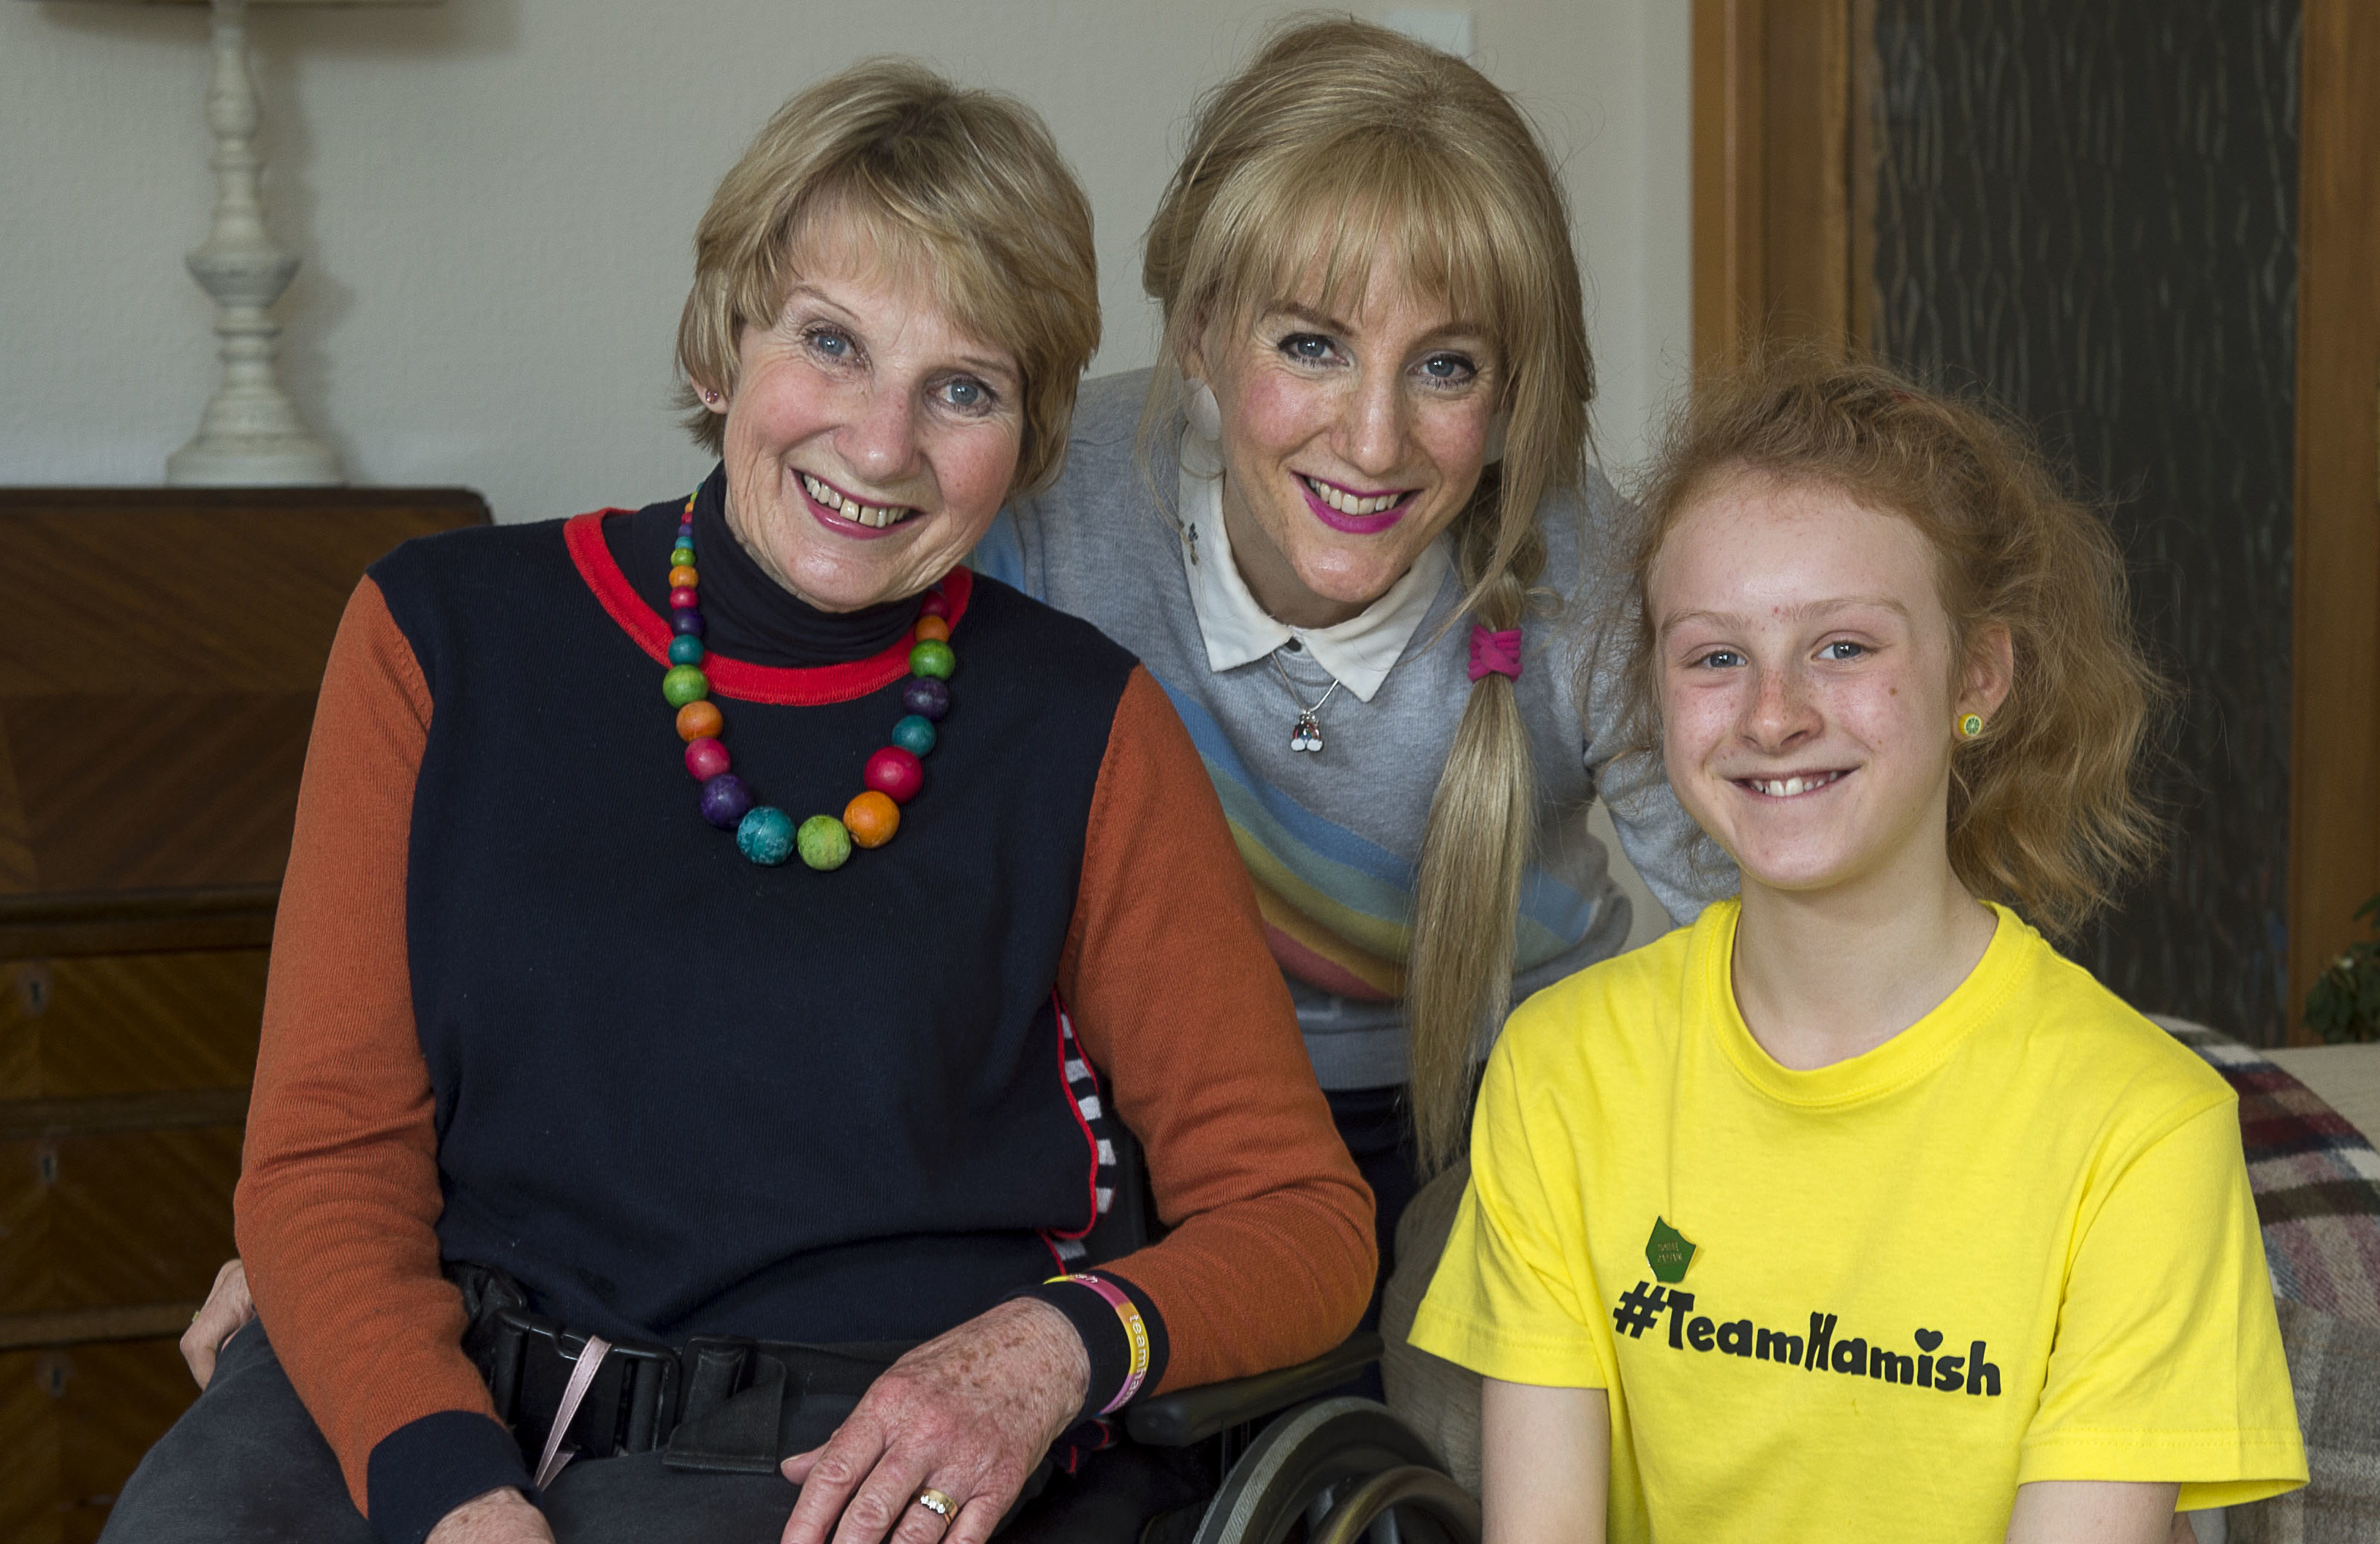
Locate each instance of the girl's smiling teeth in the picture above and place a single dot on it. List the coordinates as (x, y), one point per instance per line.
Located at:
(1346, 503)
(870, 515)
(1789, 787)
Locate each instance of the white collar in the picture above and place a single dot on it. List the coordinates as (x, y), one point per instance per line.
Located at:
(1358, 652)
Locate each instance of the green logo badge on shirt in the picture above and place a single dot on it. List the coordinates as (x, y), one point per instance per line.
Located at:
(1669, 1252)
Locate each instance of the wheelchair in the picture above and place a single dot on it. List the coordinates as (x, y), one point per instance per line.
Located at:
(1298, 1461)
(1328, 1470)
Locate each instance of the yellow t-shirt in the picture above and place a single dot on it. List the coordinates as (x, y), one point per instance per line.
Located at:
(2014, 1243)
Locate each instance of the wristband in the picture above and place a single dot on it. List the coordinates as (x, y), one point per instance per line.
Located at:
(1135, 1334)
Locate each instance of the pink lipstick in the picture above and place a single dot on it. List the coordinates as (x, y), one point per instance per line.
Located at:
(1354, 525)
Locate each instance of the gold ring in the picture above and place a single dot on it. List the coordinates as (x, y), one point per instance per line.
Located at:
(939, 1502)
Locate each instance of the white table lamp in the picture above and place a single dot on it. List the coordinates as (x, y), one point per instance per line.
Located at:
(250, 435)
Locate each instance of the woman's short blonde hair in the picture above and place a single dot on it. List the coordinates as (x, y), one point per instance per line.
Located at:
(963, 187)
(1343, 145)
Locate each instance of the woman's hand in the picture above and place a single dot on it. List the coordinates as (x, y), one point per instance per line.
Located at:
(497, 1517)
(226, 1308)
(968, 1413)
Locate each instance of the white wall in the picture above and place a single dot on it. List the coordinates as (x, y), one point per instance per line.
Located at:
(493, 200)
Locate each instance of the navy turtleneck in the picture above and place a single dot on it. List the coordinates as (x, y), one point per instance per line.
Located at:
(748, 616)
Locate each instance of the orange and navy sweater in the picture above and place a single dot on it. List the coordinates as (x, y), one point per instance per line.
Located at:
(528, 1009)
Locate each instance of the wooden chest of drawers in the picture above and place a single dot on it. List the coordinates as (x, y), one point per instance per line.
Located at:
(160, 650)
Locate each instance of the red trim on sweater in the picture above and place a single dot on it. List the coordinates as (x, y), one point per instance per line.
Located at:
(1070, 1048)
(583, 534)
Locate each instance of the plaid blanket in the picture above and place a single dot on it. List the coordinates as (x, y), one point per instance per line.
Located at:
(2317, 1182)
(2317, 1185)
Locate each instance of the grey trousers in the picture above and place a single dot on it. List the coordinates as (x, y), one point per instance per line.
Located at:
(246, 1465)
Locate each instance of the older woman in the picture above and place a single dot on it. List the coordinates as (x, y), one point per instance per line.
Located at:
(1347, 523)
(701, 1134)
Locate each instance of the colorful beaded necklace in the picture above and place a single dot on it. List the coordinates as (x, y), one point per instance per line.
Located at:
(764, 834)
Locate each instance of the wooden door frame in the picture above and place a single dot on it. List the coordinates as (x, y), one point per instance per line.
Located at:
(1784, 247)
(1783, 227)
(2335, 623)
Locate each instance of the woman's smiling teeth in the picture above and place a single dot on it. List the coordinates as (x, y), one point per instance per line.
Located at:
(1786, 787)
(1348, 503)
(877, 515)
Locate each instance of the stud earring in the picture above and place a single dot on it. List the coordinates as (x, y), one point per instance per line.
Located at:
(1206, 414)
(1970, 725)
(709, 396)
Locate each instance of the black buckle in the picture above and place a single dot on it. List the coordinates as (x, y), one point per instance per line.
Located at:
(631, 1406)
(723, 1403)
(734, 1399)
(747, 1404)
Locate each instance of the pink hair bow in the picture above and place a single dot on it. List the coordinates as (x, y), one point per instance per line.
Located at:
(1500, 652)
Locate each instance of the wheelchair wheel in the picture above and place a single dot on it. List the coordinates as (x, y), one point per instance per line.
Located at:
(1299, 1474)
(1412, 1494)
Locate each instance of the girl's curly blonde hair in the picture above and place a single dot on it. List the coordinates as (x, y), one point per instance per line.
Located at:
(2045, 810)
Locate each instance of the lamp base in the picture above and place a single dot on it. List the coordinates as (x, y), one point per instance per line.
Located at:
(253, 461)
(250, 435)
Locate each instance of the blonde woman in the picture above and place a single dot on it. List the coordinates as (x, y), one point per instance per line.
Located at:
(1347, 525)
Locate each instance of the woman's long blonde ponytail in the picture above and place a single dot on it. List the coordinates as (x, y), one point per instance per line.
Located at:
(1474, 852)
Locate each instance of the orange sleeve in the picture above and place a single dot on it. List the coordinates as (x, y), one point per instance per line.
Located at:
(338, 1196)
(1271, 1257)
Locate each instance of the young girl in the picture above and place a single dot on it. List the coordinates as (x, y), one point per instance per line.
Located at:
(1853, 1210)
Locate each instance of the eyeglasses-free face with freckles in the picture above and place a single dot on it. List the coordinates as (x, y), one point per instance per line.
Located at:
(1351, 440)
(1808, 686)
(869, 439)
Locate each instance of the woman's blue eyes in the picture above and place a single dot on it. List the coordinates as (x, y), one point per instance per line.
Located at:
(965, 391)
(1438, 369)
(1720, 659)
(1842, 648)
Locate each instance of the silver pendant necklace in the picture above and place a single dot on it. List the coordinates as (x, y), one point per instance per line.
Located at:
(1306, 734)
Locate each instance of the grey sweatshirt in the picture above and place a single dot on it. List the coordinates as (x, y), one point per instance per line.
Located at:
(1333, 839)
